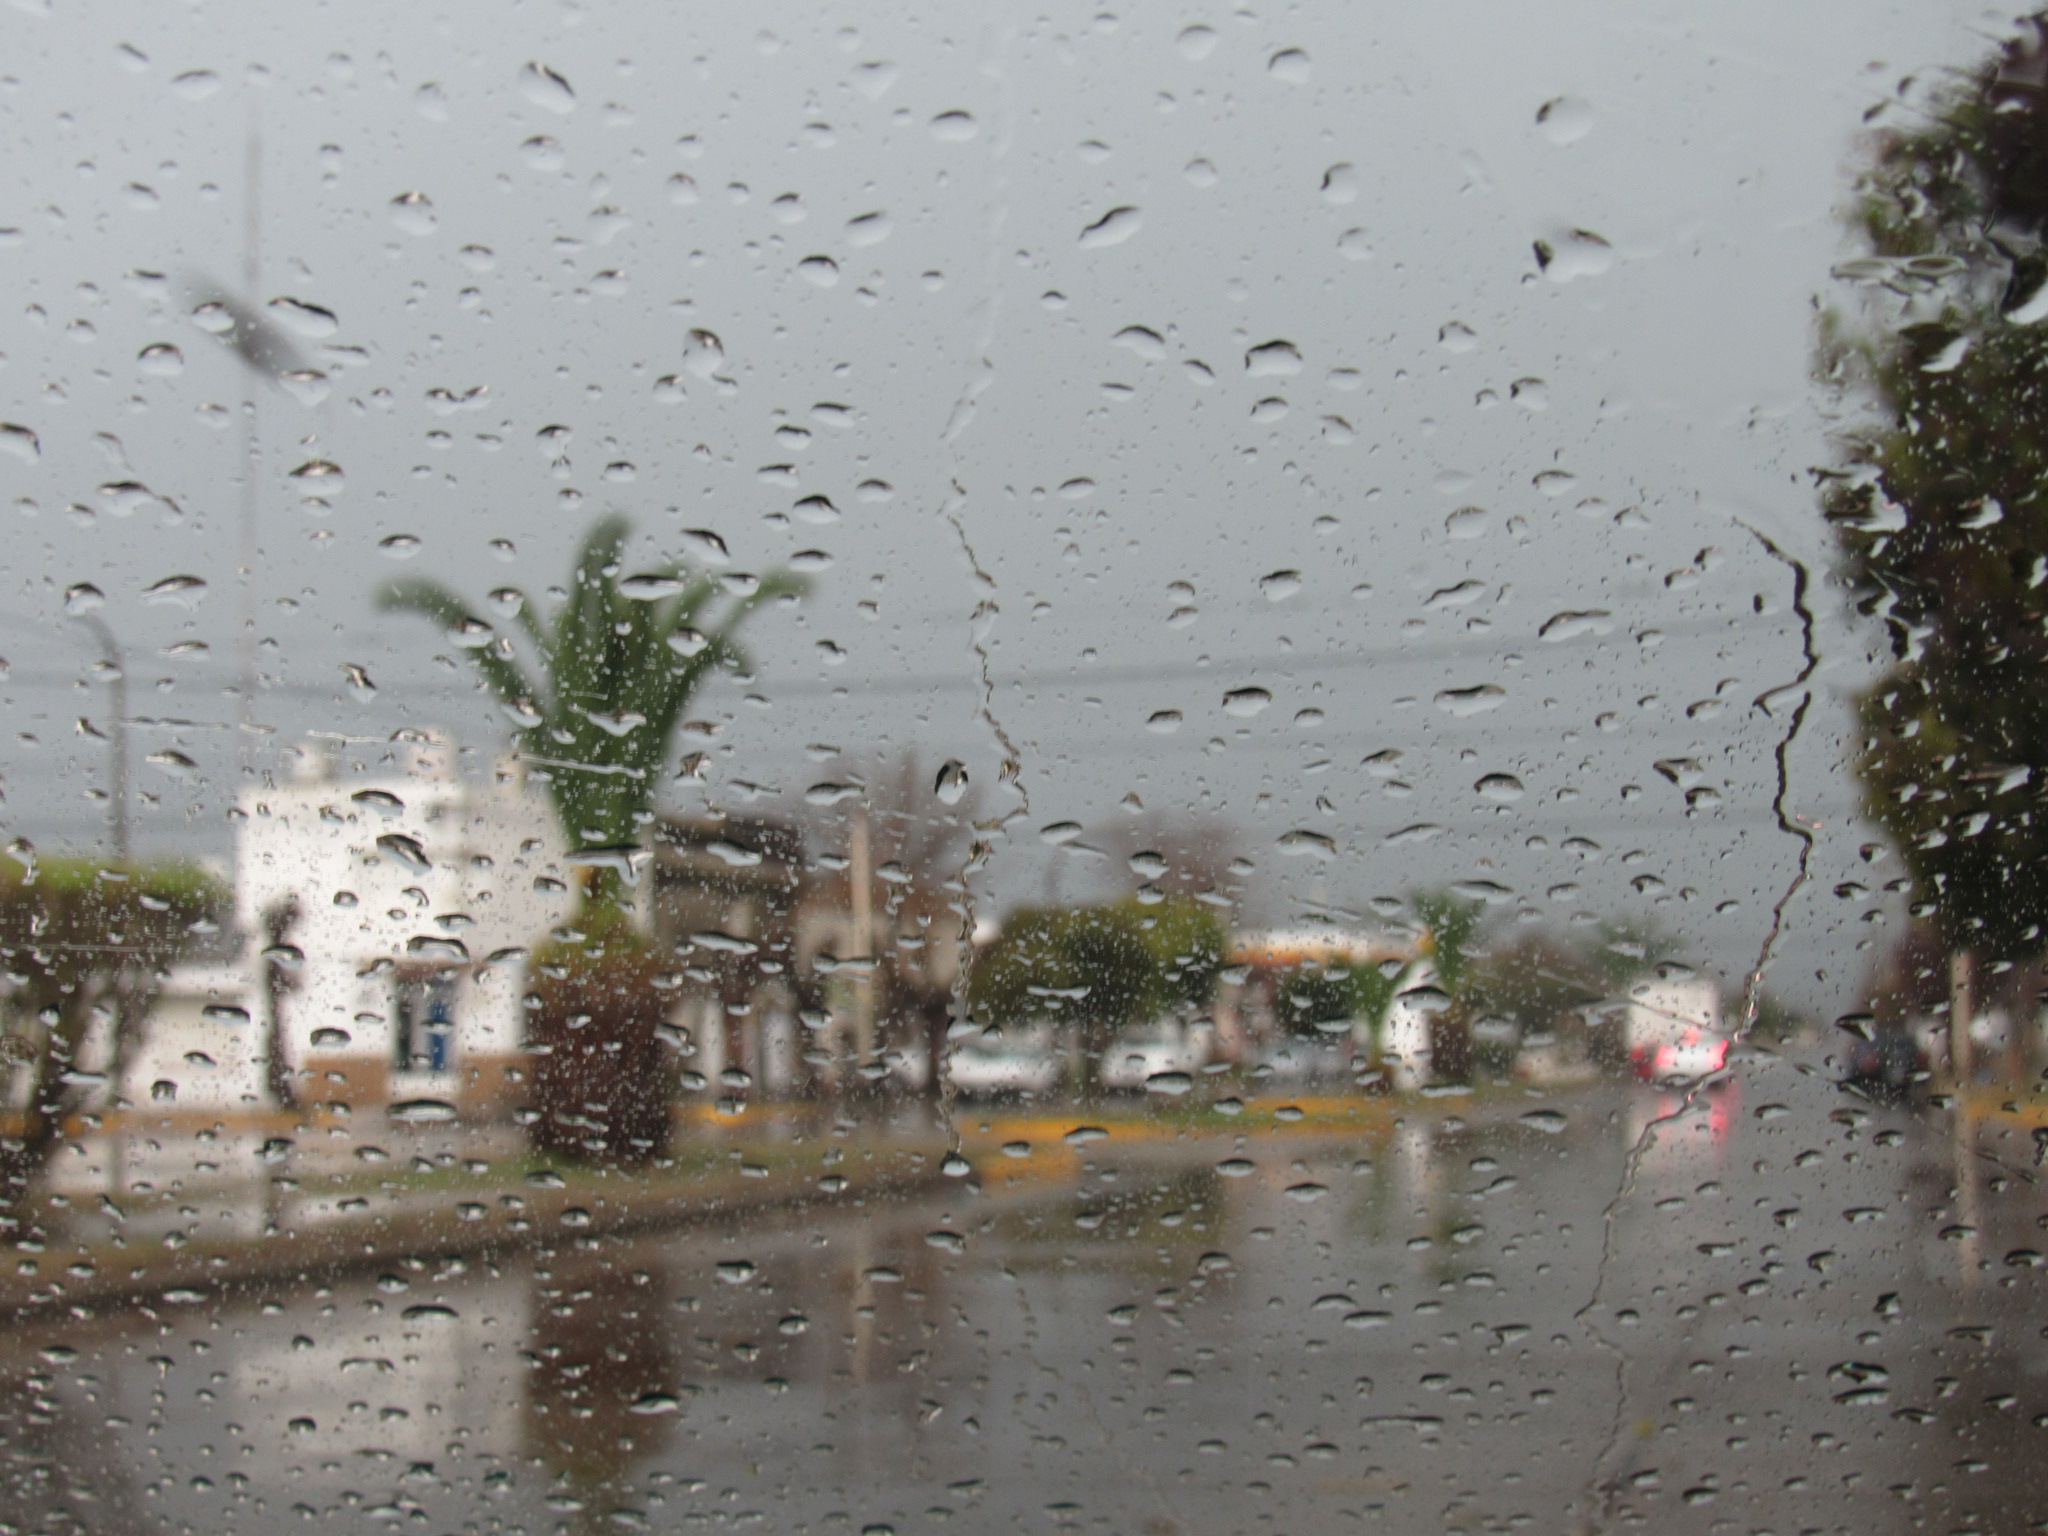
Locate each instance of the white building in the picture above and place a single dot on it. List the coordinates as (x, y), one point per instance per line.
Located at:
(386, 920)
(201, 1049)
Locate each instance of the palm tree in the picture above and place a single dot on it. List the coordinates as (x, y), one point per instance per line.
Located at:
(1450, 942)
(620, 660)
(619, 663)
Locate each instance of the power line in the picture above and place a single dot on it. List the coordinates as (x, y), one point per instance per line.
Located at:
(1229, 666)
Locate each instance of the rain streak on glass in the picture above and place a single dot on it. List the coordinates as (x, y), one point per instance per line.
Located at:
(1126, 771)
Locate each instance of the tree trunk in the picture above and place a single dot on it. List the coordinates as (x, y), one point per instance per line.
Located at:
(1962, 1010)
(277, 1067)
(23, 1157)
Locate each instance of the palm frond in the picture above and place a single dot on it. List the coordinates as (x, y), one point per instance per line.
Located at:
(501, 674)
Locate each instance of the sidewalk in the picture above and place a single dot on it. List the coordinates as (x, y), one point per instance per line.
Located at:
(206, 1209)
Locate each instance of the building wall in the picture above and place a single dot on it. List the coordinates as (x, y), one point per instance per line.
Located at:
(367, 915)
(187, 1060)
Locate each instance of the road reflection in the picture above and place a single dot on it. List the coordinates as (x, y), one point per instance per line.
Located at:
(1811, 1315)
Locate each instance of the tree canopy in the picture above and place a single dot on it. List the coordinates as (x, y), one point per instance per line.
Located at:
(1112, 964)
(83, 942)
(1936, 356)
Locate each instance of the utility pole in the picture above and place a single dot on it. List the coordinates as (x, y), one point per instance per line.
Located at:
(252, 439)
(111, 664)
(117, 737)
(861, 874)
(1962, 1011)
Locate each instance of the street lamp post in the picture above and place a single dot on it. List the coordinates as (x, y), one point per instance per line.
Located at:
(117, 736)
(111, 661)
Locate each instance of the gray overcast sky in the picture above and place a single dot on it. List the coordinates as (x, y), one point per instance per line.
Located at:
(944, 224)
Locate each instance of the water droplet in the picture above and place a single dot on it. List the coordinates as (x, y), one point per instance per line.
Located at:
(184, 591)
(1246, 702)
(951, 783)
(1468, 523)
(817, 511)
(628, 860)
(652, 1403)
(954, 127)
(413, 212)
(707, 546)
(160, 360)
(1554, 482)
(382, 801)
(1169, 1084)
(1280, 585)
(196, 84)
(1456, 336)
(1548, 1121)
(1354, 245)
(1340, 182)
(1502, 787)
(1163, 721)
(1273, 360)
(544, 88)
(955, 1166)
(1059, 832)
(399, 546)
(822, 271)
(308, 386)
(948, 1242)
(213, 317)
(83, 597)
(422, 1111)
(703, 354)
(1531, 395)
(1574, 622)
(868, 229)
(309, 320)
(1196, 43)
(1143, 340)
(1564, 119)
(406, 850)
(1471, 701)
(1420, 832)
(20, 441)
(1113, 228)
(1290, 65)
(319, 477)
(1573, 254)
(650, 587)
(1303, 841)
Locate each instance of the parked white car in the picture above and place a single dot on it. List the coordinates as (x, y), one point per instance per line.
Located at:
(1019, 1063)
(1147, 1050)
(1295, 1062)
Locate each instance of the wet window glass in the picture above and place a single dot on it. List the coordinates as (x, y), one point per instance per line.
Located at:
(872, 769)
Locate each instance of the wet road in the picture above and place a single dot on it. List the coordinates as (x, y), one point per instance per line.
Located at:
(1797, 1319)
